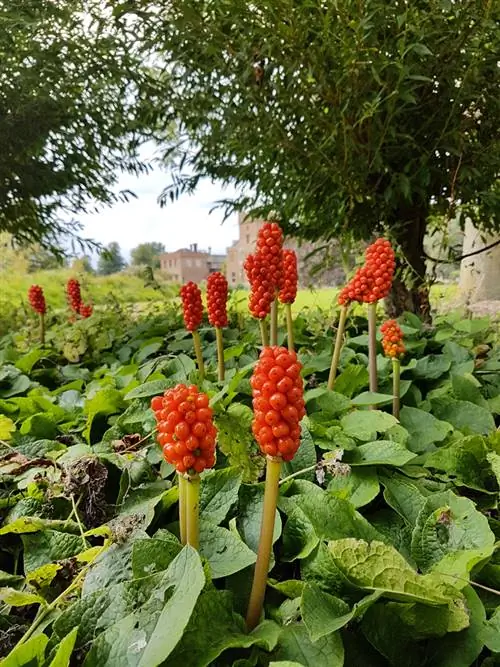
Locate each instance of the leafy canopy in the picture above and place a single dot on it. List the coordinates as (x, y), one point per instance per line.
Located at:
(148, 254)
(111, 260)
(340, 116)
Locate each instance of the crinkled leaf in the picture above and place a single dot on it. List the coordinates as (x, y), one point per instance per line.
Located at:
(305, 456)
(236, 441)
(225, 552)
(48, 546)
(28, 654)
(432, 367)
(15, 598)
(490, 633)
(353, 378)
(404, 495)
(142, 501)
(153, 555)
(295, 645)
(219, 492)
(424, 429)
(148, 389)
(464, 415)
(465, 461)
(360, 486)
(249, 517)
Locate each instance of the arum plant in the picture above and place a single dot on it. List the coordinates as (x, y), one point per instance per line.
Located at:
(187, 436)
(193, 315)
(217, 290)
(37, 302)
(288, 291)
(278, 400)
(393, 346)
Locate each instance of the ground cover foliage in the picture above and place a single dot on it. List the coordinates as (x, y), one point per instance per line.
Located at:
(386, 541)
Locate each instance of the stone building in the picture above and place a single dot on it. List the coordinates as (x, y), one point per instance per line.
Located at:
(245, 245)
(190, 264)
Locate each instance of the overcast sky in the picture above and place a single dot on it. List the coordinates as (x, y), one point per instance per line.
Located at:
(177, 225)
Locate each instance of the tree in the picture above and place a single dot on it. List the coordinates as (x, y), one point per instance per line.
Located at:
(73, 100)
(110, 260)
(147, 254)
(357, 117)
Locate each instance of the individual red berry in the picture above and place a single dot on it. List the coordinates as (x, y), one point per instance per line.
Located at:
(288, 290)
(192, 306)
(278, 406)
(217, 290)
(392, 339)
(186, 434)
(37, 299)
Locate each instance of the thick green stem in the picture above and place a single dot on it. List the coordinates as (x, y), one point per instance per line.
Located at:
(199, 354)
(263, 332)
(274, 322)
(372, 345)
(289, 326)
(182, 507)
(42, 328)
(193, 511)
(259, 584)
(220, 354)
(339, 339)
(396, 388)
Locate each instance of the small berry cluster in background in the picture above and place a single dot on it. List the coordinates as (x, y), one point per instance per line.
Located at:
(37, 299)
(74, 294)
(186, 431)
(288, 291)
(278, 401)
(192, 305)
(217, 290)
(392, 339)
(373, 281)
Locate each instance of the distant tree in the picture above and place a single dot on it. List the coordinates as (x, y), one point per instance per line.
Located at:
(82, 265)
(110, 260)
(147, 254)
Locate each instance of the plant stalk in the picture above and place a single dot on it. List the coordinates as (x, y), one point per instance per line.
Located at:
(396, 386)
(339, 339)
(263, 332)
(182, 507)
(274, 322)
(220, 354)
(372, 345)
(199, 354)
(289, 326)
(271, 492)
(193, 511)
(42, 328)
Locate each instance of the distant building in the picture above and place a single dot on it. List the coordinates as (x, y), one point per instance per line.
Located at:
(245, 245)
(191, 264)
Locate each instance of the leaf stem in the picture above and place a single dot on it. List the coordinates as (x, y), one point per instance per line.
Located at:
(193, 510)
(289, 327)
(263, 332)
(182, 507)
(220, 354)
(199, 354)
(396, 386)
(77, 517)
(372, 345)
(271, 492)
(339, 339)
(274, 322)
(42, 328)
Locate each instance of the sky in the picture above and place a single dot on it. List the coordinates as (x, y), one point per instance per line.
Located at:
(177, 225)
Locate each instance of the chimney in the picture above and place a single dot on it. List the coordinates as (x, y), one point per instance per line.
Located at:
(195, 247)
(209, 250)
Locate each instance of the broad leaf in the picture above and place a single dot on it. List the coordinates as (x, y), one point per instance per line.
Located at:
(295, 645)
(379, 452)
(225, 552)
(219, 492)
(424, 429)
(364, 425)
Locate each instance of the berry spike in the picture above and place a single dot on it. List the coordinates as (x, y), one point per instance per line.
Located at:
(217, 290)
(193, 314)
(74, 294)
(392, 339)
(288, 291)
(37, 299)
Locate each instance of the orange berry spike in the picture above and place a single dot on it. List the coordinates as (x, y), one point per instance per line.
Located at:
(37, 299)
(288, 291)
(372, 281)
(392, 339)
(74, 295)
(192, 305)
(217, 290)
(278, 402)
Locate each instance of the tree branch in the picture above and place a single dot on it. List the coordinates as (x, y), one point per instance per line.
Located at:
(466, 256)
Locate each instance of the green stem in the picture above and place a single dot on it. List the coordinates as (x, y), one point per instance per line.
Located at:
(289, 326)
(274, 322)
(182, 507)
(396, 387)
(339, 339)
(42, 328)
(259, 584)
(193, 511)
(77, 517)
(199, 354)
(220, 354)
(372, 345)
(263, 332)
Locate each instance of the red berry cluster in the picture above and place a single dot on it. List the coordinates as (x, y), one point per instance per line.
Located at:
(278, 402)
(264, 269)
(37, 299)
(185, 428)
(217, 299)
(392, 339)
(86, 310)
(74, 294)
(192, 305)
(288, 290)
(373, 281)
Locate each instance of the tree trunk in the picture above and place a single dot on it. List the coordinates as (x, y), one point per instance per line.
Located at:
(410, 291)
(479, 274)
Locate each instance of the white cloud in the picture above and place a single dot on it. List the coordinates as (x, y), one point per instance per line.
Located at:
(176, 225)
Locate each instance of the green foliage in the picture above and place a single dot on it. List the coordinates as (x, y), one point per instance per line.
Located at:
(110, 260)
(147, 254)
(382, 532)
